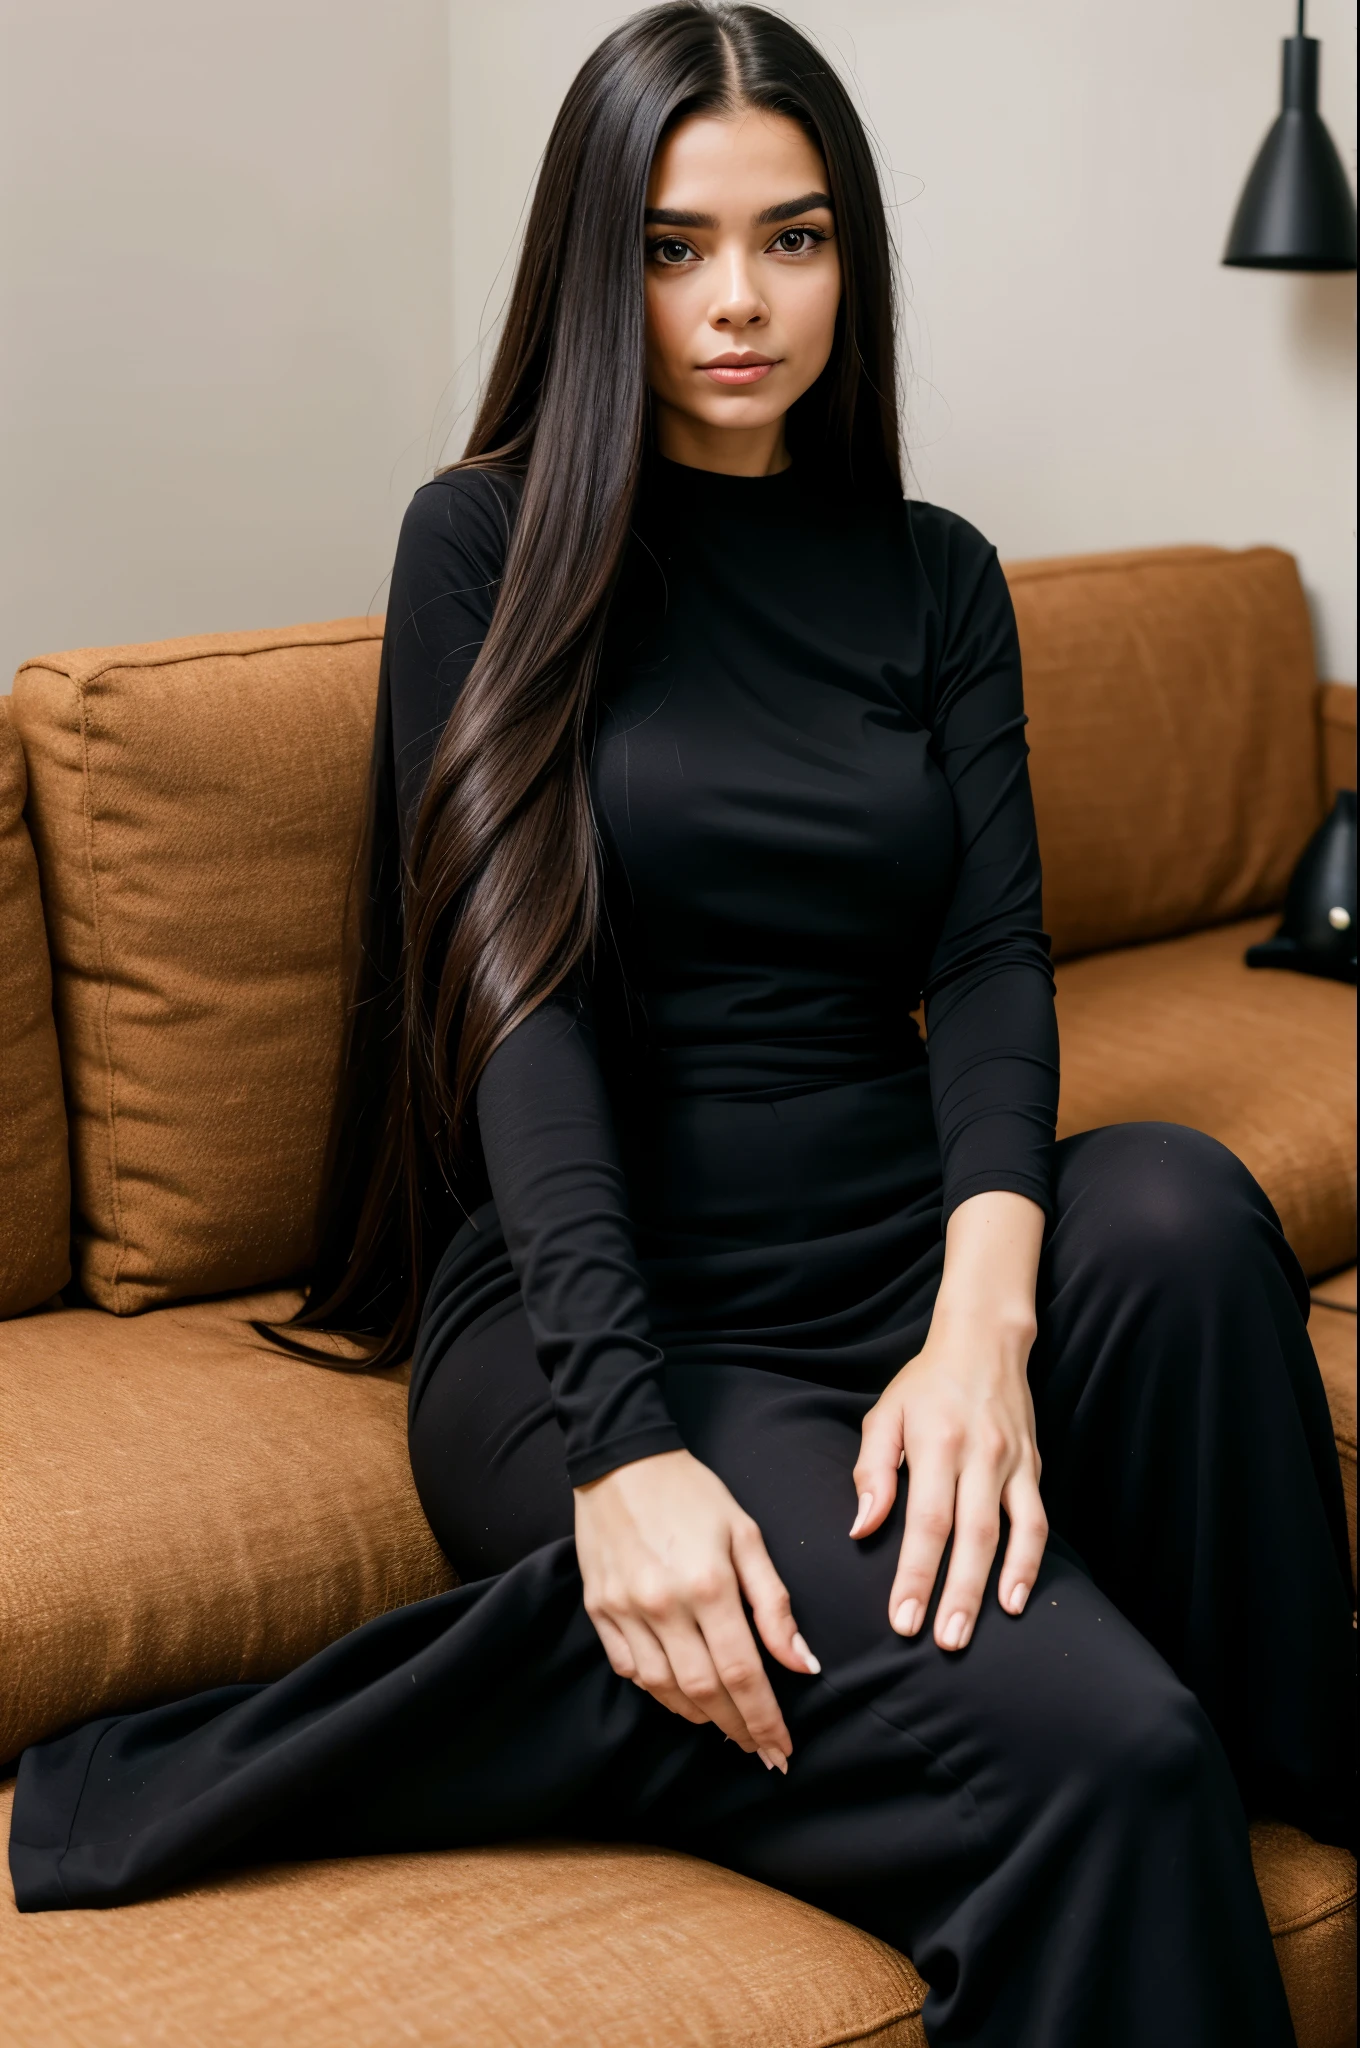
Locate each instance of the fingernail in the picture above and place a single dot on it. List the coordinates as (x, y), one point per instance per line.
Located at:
(956, 1632)
(1019, 1595)
(866, 1501)
(908, 1618)
(805, 1653)
(767, 1758)
(775, 1760)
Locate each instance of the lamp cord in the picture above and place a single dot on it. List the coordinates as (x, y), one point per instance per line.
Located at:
(1302, 5)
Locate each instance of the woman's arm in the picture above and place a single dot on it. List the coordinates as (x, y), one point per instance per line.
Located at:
(666, 1553)
(959, 1414)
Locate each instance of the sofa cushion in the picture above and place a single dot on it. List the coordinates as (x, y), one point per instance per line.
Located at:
(1308, 1891)
(1176, 757)
(1336, 709)
(35, 1193)
(527, 1947)
(534, 1946)
(196, 808)
(1332, 1328)
(1262, 1059)
(184, 1506)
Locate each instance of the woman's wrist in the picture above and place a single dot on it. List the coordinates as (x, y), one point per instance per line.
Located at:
(652, 1459)
(1004, 1321)
(991, 1266)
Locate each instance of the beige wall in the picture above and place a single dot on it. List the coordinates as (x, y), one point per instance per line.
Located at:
(247, 253)
(1084, 373)
(225, 305)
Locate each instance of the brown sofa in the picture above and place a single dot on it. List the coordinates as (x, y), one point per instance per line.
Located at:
(182, 1506)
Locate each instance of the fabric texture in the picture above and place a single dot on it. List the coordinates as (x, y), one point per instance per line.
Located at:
(530, 1947)
(1308, 1891)
(1262, 1060)
(1173, 735)
(196, 808)
(35, 1189)
(538, 1945)
(185, 1506)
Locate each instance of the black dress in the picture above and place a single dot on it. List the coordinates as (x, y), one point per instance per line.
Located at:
(720, 1166)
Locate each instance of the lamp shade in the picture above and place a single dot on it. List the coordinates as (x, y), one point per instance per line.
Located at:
(1296, 211)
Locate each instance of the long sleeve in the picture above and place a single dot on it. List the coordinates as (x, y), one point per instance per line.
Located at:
(543, 1112)
(992, 1029)
(445, 582)
(548, 1138)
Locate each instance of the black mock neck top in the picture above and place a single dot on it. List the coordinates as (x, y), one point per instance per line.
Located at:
(729, 1141)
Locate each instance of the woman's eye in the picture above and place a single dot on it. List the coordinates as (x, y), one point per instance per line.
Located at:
(794, 241)
(670, 251)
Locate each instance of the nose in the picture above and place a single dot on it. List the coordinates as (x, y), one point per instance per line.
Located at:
(737, 301)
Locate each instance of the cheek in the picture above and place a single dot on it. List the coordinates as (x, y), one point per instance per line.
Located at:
(668, 329)
(810, 312)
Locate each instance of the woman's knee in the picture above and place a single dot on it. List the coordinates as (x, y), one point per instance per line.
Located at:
(1131, 1737)
(1162, 1752)
(1156, 1204)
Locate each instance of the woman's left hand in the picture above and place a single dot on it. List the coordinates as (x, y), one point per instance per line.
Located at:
(961, 1419)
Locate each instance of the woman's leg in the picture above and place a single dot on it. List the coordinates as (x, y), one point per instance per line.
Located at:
(486, 1452)
(1045, 1823)
(1188, 1450)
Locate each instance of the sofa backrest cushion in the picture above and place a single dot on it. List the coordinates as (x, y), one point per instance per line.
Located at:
(1336, 709)
(1175, 749)
(196, 808)
(35, 1193)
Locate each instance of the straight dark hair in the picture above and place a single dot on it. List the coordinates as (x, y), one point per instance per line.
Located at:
(498, 903)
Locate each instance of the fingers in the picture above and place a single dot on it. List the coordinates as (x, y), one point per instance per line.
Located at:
(695, 1654)
(1027, 1541)
(637, 1655)
(929, 1519)
(718, 1667)
(977, 1531)
(875, 1474)
(769, 1601)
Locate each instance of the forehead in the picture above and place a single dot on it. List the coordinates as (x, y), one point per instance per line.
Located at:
(732, 166)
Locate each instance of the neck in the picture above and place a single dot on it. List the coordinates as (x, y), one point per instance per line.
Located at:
(731, 451)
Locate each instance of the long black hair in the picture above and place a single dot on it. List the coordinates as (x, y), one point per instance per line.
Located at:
(498, 903)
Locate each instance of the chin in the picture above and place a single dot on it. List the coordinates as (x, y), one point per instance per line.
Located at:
(740, 410)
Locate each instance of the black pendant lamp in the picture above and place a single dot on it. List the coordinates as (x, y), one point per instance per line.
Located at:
(1296, 211)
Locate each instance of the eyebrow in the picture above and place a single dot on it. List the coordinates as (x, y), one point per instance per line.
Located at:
(788, 209)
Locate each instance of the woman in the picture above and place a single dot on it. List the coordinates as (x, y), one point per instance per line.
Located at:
(700, 759)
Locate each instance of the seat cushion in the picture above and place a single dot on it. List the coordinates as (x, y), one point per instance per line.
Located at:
(1309, 1896)
(529, 1947)
(1176, 755)
(1262, 1059)
(196, 808)
(1332, 1327)
(35, 1194)
(184, 1506)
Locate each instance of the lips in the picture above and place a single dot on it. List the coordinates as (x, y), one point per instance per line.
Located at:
(738, 369)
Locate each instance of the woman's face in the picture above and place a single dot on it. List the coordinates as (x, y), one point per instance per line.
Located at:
(742, 284)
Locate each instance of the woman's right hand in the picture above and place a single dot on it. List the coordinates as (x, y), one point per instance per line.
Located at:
(666, 1554)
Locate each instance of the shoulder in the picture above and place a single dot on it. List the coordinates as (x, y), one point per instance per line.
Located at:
(462, 518)
(959, 563)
